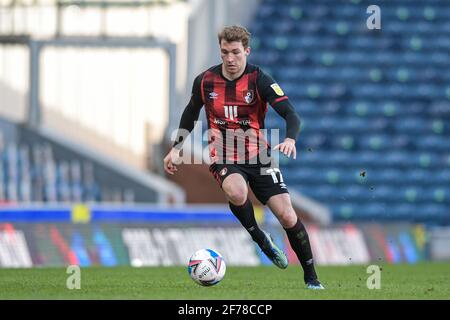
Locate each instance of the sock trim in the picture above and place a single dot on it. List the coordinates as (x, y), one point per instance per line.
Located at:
(295, 227)
(241, 206)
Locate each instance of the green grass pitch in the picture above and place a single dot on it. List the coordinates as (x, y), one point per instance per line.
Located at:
(420, 281)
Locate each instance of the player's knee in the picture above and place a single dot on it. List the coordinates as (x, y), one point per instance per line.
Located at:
(287, 217)
(237, 196)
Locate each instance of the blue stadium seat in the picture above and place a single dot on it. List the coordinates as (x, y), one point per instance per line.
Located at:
(388, 193)
(368, 102)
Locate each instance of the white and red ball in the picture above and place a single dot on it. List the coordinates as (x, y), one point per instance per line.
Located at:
(207, 267)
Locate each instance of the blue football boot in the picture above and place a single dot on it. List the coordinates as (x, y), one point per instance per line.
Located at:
(275, 254)
(314, 285)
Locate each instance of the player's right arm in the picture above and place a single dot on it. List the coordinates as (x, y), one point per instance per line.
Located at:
(187, 123)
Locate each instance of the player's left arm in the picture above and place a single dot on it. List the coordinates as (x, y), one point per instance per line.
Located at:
(287, 112)
(271, 92)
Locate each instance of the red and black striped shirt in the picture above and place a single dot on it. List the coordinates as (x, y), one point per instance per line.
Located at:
(235, 111)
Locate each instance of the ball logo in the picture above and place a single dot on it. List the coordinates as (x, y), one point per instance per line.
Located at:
(204, 273)
(223, 171)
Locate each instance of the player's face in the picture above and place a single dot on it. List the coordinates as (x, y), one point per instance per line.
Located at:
(234, 56)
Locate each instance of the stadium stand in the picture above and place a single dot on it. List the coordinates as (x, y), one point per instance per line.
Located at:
(374, 146)
(39, 167)
(375, 141)
(31, 173)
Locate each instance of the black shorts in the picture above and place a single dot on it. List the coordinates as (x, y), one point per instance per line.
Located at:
(265, 181)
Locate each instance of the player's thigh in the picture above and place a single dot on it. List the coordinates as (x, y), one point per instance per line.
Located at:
(233, 182)
(281, 206)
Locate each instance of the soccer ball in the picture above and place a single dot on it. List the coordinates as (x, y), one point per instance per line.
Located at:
(207, 267)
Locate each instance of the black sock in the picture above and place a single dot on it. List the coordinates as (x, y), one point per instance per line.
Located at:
(246, 216)
(299, 240)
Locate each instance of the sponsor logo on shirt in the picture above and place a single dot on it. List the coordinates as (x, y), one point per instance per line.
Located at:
(245, 122)
(219, 121)
(213, 95)
(277, 89)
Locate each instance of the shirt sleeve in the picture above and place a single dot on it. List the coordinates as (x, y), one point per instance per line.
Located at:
(272, 93)
(268, 89)
(191, 113)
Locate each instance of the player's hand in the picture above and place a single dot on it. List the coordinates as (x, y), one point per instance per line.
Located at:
(287, 147)
(169, 161)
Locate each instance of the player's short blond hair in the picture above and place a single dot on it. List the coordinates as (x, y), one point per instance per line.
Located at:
(235, 33)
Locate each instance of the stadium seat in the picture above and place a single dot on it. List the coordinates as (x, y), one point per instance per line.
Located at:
(32, 174)
(368, 103)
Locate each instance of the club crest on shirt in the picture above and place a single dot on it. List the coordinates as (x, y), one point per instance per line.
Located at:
(223, 172)
(248, 96)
